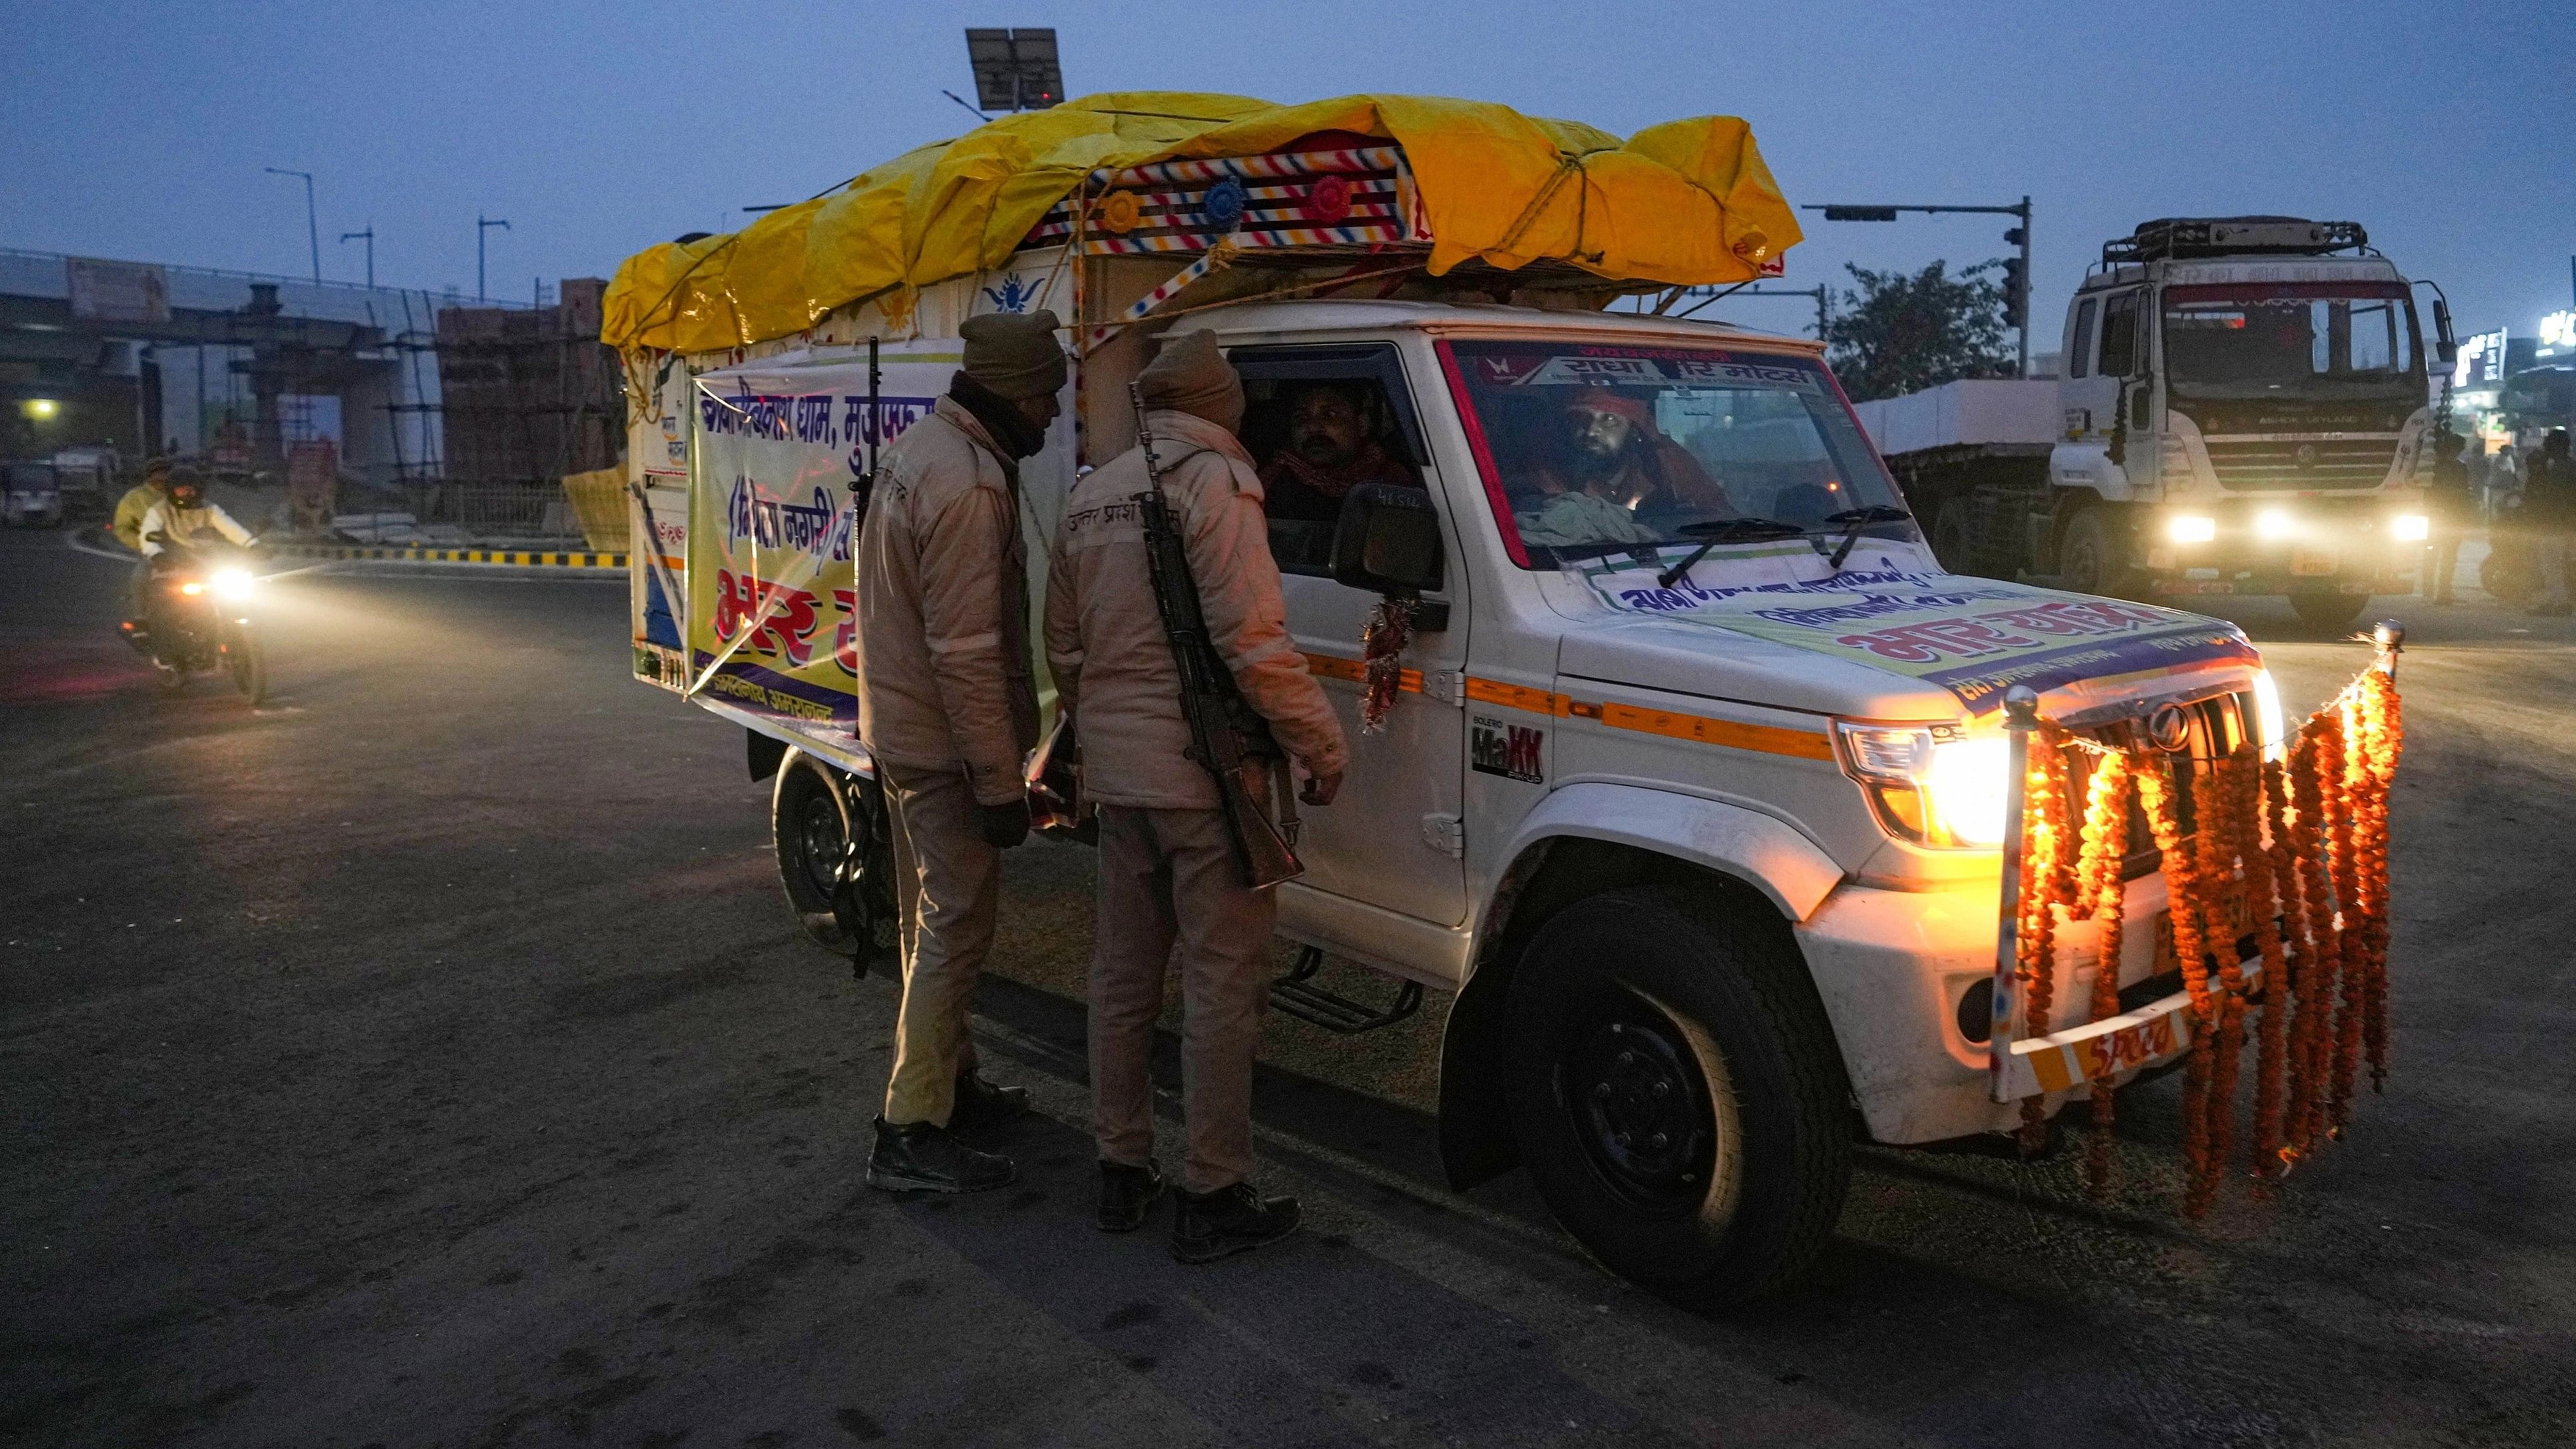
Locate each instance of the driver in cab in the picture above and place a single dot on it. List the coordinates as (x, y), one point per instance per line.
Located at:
(1613, 466)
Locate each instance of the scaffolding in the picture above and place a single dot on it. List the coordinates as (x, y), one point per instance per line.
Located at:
(525, 396)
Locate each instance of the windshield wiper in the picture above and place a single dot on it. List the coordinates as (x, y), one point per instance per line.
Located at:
(1856, 519)
(1725, 530)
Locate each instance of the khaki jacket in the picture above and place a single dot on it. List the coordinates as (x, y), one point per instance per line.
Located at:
(945, 676)
(1105, 642)
(138, 501)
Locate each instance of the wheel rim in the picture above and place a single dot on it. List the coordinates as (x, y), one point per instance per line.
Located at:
(2082, 568)
(1641, 1109)
(818, 830)
(1950, 538)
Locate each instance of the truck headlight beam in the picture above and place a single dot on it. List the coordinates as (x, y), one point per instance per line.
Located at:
(2191, 528)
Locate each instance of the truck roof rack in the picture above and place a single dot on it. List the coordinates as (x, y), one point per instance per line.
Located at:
(2172, 237)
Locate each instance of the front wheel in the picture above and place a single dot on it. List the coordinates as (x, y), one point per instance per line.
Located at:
(2093, 557)
(809, 822)
(2329, 613)
(1677, 1094)
(248, 665)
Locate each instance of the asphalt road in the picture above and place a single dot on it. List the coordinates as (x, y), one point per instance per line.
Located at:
(425, 1059)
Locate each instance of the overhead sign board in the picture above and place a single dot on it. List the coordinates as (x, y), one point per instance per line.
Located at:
(136, 292)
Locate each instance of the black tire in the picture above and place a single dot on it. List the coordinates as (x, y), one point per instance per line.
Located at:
(2092, 556)
(247, 664)
(809, 822)
(2329, 613)
(1677, 1095)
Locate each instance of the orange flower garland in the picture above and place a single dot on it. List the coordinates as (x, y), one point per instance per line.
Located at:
(2305, 841)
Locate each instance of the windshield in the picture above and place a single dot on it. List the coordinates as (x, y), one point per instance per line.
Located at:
(2318, 340)
(1589, 449)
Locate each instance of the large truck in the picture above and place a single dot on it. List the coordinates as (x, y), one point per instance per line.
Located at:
(1693, 801)
(2242, 407)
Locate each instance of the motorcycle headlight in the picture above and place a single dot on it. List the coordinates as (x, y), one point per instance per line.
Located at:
(1932, 784)
(232, 583)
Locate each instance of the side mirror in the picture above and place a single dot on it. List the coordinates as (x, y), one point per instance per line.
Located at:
(1387, 541)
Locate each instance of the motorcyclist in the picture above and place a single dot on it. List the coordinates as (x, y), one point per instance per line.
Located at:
(138, 501)
(176, 521)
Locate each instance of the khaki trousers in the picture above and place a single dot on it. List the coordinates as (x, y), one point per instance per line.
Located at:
(1170, 896)
(948, 886)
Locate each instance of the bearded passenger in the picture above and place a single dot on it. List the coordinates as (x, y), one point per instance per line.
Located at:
(1614, 465)
(1330, 451)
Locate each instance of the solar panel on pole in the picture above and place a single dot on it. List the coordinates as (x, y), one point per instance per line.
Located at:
(1015, 70)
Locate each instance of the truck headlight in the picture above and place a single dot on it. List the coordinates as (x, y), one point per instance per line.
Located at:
(1931, 784)
(232, 583)
(2274, 524)
(2410, 528)
(2191, 528)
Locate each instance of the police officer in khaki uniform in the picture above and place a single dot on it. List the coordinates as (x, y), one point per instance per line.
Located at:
(1170, 892)
(948, 710)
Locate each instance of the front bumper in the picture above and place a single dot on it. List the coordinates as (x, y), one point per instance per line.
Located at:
(1893, 966)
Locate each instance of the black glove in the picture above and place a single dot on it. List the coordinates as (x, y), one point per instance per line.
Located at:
(1003, 826)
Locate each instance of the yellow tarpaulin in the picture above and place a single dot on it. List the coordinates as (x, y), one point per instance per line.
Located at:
(1683, 203)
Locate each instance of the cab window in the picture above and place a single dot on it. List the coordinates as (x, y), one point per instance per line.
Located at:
(2079, 349)
(1320, 421)
(2120, 336)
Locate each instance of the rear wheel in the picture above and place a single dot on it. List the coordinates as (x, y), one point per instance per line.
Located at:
(2329, 613)
(247, 665)
(809, 821)
(1677, 1094)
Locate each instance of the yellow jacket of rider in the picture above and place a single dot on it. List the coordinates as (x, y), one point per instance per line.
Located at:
(138, 501)
(183, 524)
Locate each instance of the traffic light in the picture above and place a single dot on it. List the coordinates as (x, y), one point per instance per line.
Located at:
(2013, 238)
(2016, 294)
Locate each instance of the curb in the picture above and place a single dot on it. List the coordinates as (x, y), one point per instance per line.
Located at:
(489, 557)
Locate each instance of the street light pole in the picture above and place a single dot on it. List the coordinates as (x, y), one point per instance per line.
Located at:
(483, 227)
(312, 226)
(2017, 295)
(347, 237)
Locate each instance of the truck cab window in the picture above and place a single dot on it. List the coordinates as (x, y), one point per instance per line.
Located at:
(2120, 335)
(1315, 439)
(2079, 349)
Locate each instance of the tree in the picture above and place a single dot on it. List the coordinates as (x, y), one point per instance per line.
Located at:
(1898, 332)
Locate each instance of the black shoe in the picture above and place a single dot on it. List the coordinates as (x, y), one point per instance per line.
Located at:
(923, 1156)
(1127, 1194)
(1233, 1219)
(982, 1106)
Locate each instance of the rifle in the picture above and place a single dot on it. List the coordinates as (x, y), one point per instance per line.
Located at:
(1226, 733)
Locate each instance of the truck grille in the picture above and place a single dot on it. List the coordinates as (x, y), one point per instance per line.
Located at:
(2261, 464)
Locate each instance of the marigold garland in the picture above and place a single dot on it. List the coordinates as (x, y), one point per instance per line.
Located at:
(2304, 839)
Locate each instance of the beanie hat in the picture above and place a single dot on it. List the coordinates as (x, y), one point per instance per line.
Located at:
(1192, 376)
(1014, 354)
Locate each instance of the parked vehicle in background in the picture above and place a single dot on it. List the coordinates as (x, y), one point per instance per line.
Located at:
(2243, 408)
(91, 479)
(33, 497)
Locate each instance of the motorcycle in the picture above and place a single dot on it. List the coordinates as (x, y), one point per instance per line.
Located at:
(197, 618)
(2511, 571)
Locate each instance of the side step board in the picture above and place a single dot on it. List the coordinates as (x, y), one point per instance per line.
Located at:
(1297, 995)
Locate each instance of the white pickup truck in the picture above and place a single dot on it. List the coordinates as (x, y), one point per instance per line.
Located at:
(1694, 791)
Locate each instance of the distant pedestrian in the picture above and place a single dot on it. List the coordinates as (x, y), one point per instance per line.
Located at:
(2452, 509)
(1172, 896)
(948, 710)
(2549, 511)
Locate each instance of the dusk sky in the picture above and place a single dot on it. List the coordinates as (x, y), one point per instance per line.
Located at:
(140, 131)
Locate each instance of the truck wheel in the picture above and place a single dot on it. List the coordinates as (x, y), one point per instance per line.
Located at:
(2329, 613)
(2092, 557)
(809, 819)
(1677, 1095)
(1953, 543)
